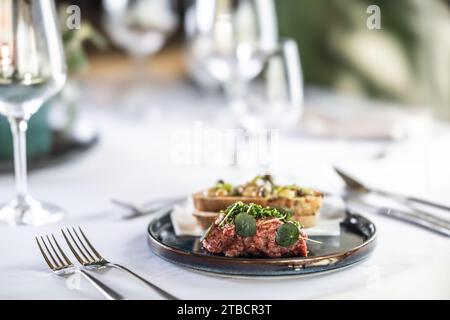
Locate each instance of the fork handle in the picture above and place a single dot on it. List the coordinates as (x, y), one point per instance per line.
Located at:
(162, 292)
(421, 219)
(109, 293)
(412, 199)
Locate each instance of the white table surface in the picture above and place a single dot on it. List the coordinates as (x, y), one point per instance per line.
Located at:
(135, 161)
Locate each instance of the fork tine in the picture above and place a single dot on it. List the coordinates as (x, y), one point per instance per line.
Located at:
(44, 255)
(50, 254)
(78, 246)
(99, 256)
(55, 252)
(75, 253)
(68, 262)
(82, 244)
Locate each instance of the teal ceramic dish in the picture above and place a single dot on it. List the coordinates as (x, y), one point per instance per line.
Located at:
(63, 147)
(39, 136)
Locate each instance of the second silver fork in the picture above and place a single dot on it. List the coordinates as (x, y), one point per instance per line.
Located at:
(61, 265)
(91, 259)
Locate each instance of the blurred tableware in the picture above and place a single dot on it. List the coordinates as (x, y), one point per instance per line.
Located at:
(149, 208)
(271, 102)
(354, 185)
(355, 242)
(416, 217)
(230, 41)
(89, 257)
(196, 26)
(64, 107)
(421, 219)
(32, 69)
(228, 38)
(142, 28)
(63, 267)
(332, 115)
(274, 98)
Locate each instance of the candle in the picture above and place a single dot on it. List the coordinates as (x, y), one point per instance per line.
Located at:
(5, 52)
(6, 40)
(5, 61)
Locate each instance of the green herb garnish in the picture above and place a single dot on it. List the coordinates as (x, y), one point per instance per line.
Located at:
(245, 225)
(287, 235)
(244, 216)
(228, 187)
(254, 210)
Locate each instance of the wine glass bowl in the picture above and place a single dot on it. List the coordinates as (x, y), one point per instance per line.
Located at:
(140, 26)
(273, 99)
(234, 41)
(32, 69)
(242, 65)
(270, 104)
(233, 37)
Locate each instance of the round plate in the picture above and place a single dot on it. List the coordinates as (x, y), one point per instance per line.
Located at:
(355, 243)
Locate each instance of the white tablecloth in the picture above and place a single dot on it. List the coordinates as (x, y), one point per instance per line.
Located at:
(135, 161)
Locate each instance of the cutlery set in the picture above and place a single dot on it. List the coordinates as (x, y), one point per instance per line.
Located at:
(416, 217)
(90, 261)
(353, 184)
(149, 208)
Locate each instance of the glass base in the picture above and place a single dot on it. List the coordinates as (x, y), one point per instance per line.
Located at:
(30, 213)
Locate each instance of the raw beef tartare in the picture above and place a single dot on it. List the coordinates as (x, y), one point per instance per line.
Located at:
(252, 230)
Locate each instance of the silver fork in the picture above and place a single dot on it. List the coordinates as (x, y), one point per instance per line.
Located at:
(89, 257)
(149, 208)
(63, 267)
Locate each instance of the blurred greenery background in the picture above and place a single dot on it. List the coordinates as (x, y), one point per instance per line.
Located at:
(395, 63)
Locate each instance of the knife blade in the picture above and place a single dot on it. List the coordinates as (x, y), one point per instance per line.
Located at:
(424, 220)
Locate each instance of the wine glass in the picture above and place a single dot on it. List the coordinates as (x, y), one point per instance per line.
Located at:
(232, 36)
(141, 27)
(32, 69)
(230, 41)
(273, 99)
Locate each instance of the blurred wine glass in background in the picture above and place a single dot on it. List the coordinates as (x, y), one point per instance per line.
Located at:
(272, 101)
(236, 43)
(228, 38)
(141, 27)
(32, 69)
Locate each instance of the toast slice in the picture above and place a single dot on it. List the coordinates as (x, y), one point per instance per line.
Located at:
(305, 209)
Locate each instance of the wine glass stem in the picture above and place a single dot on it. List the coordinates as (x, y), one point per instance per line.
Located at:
(234, 92)
(19, 129)
(265, 155)
(140, 65)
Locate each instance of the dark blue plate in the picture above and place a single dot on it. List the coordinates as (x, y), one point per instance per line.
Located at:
(355, 243)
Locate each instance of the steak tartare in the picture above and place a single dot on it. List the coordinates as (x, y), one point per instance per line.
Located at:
(251, 230)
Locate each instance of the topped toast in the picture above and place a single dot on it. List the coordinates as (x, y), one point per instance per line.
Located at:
(304, 203)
